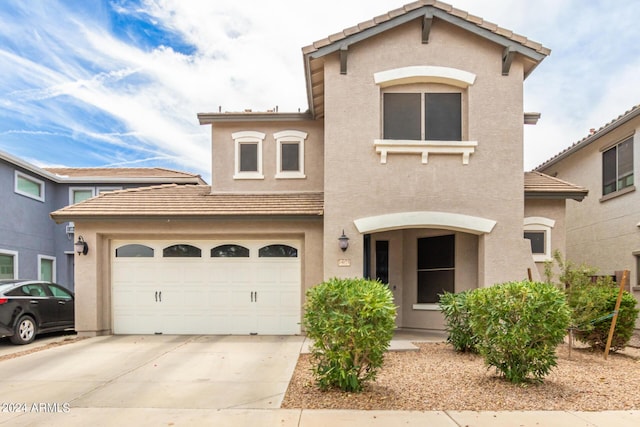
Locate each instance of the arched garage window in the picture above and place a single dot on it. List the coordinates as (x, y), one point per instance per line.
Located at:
(134, 251)
(230, 251)
(181, 251)
(278, 251)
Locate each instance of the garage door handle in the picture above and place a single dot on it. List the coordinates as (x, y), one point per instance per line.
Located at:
(160, 296)
(256, 297)
(251, 296)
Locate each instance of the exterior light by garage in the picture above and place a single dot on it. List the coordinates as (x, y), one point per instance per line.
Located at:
(343, 241)
(81, 246)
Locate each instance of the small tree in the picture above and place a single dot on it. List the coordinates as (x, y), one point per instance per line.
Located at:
(456, 316)
(351, 323)
(518, 326)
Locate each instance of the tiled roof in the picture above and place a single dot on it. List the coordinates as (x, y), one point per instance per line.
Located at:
(120, 172)
(539, 185)
(378, 20)
(618, 121)
(173, 200)
(313, 54)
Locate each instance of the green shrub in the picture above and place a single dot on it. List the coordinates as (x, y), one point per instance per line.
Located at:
(351, 323)
(518, 326)
(592, 305)
(456, 316)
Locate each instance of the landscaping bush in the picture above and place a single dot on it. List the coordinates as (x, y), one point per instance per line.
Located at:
(456, 316)
(351, 323)
(518, 326)
(592, 306)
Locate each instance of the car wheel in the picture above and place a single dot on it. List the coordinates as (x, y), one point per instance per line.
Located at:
(24, 331)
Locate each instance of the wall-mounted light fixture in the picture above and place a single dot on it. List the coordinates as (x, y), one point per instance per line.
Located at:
(81, 246)
(343, 241)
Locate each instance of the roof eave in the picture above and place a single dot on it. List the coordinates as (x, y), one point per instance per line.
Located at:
(556, 195)
(60, 217)
(210, 118)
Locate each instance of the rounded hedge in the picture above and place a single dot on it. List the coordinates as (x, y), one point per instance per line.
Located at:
(351, 323)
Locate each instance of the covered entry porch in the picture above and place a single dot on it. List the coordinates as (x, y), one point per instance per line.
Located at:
(421, 255)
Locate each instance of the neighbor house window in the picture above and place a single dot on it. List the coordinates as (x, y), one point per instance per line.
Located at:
(538, 231)
(617, 167)
(46, 268)
(290, 154)
(436, 267)
(248, 155)
(29, 186)
(8, 264)
(80, 194)
(422, 116)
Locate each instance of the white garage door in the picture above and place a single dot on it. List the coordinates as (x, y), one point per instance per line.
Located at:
(206, 287)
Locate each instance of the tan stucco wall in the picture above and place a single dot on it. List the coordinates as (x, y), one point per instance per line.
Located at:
(223, 157)
(93, 271)
(602, 233)
(357, 185)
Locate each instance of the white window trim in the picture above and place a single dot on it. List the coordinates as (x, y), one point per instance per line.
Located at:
(53, 266)
(290, 136)
(32, 179)
(103, 189)
(541, 224)
(248, 137)
(72, 189)
(424, 74)
(14, 254)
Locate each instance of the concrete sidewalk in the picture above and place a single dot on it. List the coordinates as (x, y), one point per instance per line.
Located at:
(98, 417)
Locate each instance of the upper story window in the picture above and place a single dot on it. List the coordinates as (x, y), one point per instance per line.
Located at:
(29, 186)
(290, 154)
(80, 194)
(248, 154)
(424, 119)
(422, 116)
(617, 167)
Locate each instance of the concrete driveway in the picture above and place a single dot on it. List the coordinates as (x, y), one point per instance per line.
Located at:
(156, 371)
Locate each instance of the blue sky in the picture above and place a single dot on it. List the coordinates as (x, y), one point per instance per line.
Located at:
(119, 83)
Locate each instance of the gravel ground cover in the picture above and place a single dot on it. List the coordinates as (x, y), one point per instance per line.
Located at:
(436, 378)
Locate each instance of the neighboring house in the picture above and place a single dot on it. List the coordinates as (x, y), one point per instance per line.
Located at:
(32, 246)
(408, 167)
(603, 231)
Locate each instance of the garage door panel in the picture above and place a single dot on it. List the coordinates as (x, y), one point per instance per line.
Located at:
(207, 295)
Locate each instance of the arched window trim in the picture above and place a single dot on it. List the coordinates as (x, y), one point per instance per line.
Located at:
(243, 253)
(166, 254)
(141, 255)
(292, 252)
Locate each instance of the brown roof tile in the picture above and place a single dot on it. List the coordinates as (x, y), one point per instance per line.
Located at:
(537, 185)
(120, 172)
(174, 200)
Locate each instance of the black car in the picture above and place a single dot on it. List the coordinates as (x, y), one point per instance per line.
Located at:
(31, 307)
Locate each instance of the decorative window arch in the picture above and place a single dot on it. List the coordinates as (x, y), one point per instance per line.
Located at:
(181, 251)
(538, 230)
(248, 154)
(230, 251)
(134, 250)
(277, 251)
(290, 153)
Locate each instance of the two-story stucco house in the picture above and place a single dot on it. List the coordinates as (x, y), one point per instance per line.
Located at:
(407, 167)
(603, 231)
(32, 246)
